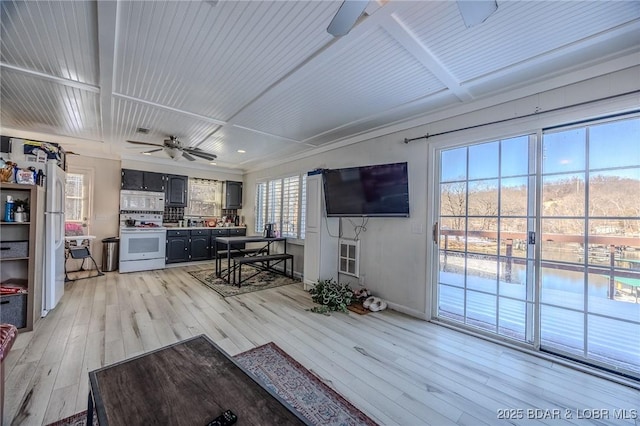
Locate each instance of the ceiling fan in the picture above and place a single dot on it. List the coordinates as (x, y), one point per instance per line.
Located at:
(473, 12)
(174, 149)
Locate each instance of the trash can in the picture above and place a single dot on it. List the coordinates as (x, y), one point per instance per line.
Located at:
(110, 251)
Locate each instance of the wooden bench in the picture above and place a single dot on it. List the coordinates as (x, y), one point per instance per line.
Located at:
(222, 254)
(277, 258)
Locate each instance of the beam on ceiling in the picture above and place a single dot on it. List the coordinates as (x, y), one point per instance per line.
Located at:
(107, 32)
(52, 78)
(410, 41)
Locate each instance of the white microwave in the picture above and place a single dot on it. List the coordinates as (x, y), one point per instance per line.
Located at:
(141, 201)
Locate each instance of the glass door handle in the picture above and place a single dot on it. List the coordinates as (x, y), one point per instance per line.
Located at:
(435, 233)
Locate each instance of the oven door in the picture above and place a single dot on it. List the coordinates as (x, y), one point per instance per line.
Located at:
(141, 244)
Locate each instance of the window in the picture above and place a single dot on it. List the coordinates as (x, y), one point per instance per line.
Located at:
(282, 202)
(205, 198)
(76, 202)
(261, 206)
(546, 255)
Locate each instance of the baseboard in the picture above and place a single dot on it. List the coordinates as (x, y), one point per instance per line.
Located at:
(408, 311)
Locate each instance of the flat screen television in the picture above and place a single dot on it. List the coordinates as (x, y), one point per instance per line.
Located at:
(380, 190)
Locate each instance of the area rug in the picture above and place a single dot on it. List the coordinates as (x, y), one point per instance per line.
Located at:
(262, 281)
(79, 419)
(320, 404)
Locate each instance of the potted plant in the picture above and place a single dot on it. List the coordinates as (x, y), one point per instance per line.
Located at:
(331, 295)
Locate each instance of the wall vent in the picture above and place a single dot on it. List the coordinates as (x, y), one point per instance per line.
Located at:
(349, 258)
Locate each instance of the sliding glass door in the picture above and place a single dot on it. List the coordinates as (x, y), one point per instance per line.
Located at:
(539, 241)
(486, 263)
(590, 244)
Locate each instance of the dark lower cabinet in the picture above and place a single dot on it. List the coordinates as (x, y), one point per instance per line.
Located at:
(200, 244)
(184, 245)
(178, 247)
(215, 247)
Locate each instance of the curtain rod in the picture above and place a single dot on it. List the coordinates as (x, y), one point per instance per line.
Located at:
(427, 136)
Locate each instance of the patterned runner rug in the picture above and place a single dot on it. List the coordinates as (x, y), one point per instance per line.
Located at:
(262, 281)
(301, 388)
(292, 382)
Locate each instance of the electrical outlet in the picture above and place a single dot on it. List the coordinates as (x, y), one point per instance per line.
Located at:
(417, 228)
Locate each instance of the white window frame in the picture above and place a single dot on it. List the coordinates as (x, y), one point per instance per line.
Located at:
(215, 204)
(270, 205)
(86, 199)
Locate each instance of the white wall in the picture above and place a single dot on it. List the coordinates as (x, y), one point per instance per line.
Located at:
(396, 252)
(105, 199)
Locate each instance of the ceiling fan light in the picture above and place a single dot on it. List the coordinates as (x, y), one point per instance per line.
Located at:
(475, 12)
(174, 153)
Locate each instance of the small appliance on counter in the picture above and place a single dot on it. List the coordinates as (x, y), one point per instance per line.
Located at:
(268, 231)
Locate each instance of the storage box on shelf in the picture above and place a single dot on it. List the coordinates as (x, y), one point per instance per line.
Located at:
(21, 258)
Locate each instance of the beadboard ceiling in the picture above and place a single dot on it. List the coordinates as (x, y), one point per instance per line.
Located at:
(267, 78)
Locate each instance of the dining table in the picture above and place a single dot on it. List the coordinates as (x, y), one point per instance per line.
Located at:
(235, 246)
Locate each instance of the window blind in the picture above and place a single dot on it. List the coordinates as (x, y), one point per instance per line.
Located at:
(290, 206)
(260, 212)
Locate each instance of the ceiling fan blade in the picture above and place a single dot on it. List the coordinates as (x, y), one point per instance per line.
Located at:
(475, 12)
(153, 150)
(145, 143)
(346, 17)
(200, 153)
(187, 156)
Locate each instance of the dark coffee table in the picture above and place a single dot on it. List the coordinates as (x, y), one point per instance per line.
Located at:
(187, 383)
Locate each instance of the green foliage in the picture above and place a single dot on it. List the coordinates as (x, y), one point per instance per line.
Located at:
(331, 295)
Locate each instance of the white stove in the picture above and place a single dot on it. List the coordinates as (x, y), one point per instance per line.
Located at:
(142, 242)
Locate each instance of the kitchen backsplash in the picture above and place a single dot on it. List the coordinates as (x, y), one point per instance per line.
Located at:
(173, 214)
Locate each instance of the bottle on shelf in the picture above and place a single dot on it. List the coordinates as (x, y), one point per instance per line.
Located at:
(8, 209)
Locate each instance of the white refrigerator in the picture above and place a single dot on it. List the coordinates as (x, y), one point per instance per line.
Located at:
(53, 284)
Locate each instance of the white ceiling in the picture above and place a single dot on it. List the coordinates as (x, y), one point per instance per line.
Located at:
(267, 78)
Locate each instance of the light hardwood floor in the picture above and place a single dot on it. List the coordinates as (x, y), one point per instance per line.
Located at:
(397, 369)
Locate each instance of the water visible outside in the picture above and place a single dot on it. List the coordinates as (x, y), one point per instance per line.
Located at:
(588, 242)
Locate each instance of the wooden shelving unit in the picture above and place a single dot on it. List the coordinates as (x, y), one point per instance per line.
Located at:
(25, 271)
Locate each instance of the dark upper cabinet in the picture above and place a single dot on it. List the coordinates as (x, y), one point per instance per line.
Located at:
(176, 191)
(142, 181)
(154, 181)
(232, 195)
(132, 179)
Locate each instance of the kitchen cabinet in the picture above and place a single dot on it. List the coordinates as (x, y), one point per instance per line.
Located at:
(176, 190)
(142, 181)
(225, 232)
(178, 246)
(200, 244)
(184, 245)
(232, 195)
(21, 257)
